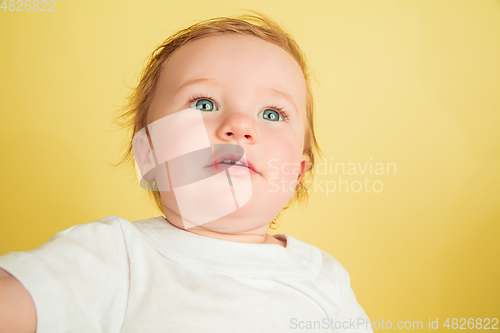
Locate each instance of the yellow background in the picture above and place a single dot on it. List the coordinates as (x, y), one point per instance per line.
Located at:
(415, 83)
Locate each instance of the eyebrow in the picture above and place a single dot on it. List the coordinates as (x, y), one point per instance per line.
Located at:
(213, 82)
(193, 81)
(286, 96)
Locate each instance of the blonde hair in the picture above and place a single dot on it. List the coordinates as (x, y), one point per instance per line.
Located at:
(134, 116)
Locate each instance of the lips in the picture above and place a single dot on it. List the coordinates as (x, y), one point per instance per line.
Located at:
(228, 155)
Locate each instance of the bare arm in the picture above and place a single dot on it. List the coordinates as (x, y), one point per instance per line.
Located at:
(17, 310)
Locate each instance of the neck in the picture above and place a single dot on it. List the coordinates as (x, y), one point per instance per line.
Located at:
(256, 236)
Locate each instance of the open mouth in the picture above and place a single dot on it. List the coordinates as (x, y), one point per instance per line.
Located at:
(227, 162)
(230, 155)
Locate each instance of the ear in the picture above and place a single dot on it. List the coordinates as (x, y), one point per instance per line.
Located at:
(303, 167)
(302, 170)
(144, 155)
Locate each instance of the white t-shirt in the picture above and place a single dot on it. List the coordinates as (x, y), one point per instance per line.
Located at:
(113, 275)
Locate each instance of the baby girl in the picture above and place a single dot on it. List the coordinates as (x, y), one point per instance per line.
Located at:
(223, 138)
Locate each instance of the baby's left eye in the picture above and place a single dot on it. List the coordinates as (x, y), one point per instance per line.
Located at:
(270, 114)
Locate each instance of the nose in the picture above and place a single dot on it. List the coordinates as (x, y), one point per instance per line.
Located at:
(239, 127)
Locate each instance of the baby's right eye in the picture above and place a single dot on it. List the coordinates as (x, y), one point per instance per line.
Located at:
(202, 104)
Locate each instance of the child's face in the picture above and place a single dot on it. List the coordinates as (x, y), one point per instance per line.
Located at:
(249, 77)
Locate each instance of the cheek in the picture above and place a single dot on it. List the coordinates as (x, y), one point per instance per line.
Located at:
(282, 169)
(282, 156)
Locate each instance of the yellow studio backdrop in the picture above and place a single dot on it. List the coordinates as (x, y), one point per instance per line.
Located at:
(408, 116)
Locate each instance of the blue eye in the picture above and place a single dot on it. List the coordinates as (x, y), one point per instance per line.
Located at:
(272, 115)
(203, 104)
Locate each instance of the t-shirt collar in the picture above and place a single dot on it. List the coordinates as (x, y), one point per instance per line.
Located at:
(298, 259)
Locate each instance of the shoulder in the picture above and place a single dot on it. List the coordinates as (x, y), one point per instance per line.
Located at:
(109, 224)
(334, 270)
(86, 246)
(329, 267)
(103, 238)
(328, 270)
(102, 232)
(331, 274)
